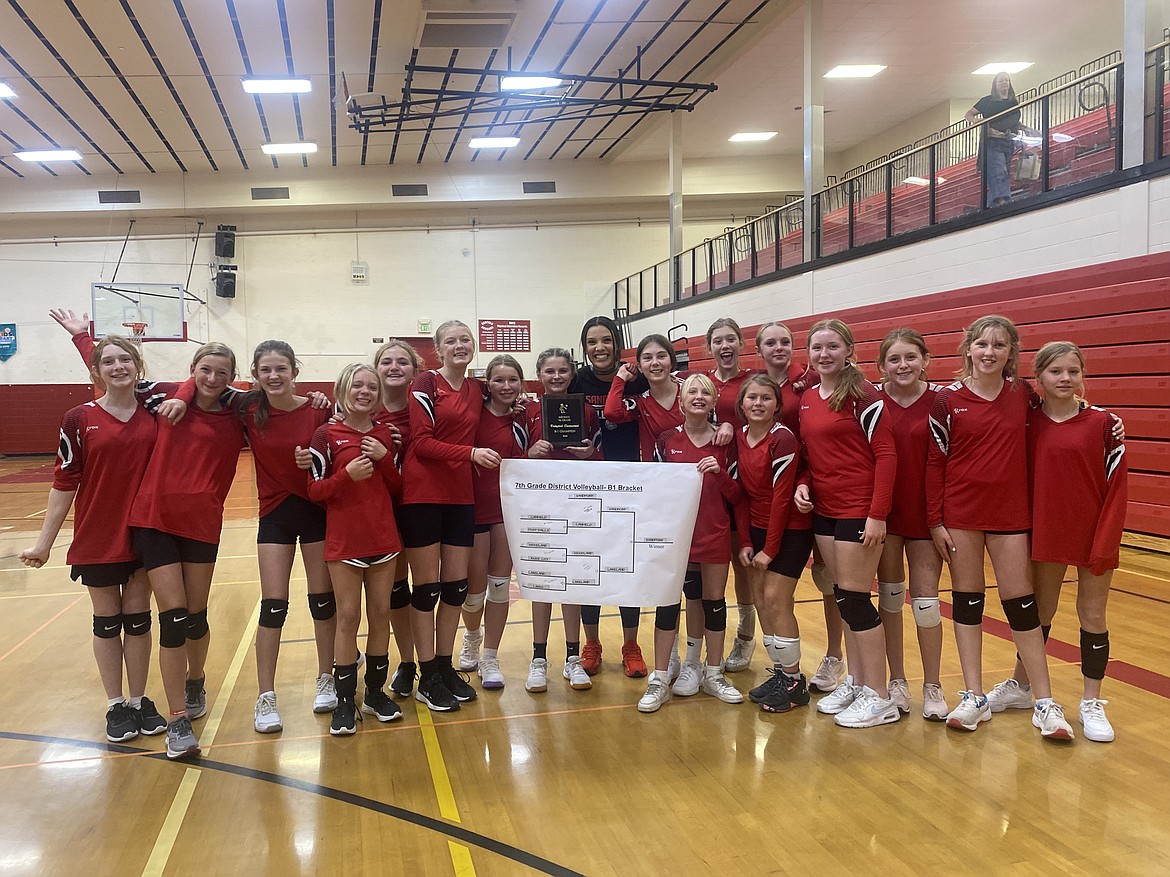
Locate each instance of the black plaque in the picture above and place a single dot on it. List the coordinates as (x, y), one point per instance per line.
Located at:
(562, 420)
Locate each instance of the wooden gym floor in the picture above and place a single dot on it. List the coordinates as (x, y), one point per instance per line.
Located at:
(563, 782)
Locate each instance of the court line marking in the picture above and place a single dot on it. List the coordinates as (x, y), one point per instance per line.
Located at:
(441, 780)
(42, 627)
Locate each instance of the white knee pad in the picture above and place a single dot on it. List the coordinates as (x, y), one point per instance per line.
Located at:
(474, 602)
(822, 579)
(891, 596)
(926, 612)
(497, 589)
(787, 651)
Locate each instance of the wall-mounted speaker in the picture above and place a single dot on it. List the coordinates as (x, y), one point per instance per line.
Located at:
(225, 241)
(225, 284)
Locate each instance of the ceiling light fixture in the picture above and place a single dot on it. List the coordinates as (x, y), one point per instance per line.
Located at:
(1008, 67)
(288, 148)
(855, 71)
(493, 142)
(524, 83)
(277, 86)
(42, 155)
(751, 136)
(6, 91)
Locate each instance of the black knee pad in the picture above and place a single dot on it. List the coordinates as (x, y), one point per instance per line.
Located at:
(693, 585)
(1022, 613)
(592, 615)
(322, 606)
(400, 594)
(453, 593)
(967, 607)
(136, 623)
(424, 598)
(666, 617)
(197, 624)
(715, 614)
(107, 626)
(172, 628)
(1094, 654)
(857, 610)
(273, 613)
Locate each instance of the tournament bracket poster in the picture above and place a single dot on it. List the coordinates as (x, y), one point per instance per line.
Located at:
(590, 532)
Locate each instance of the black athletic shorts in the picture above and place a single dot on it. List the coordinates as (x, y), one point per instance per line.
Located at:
(483, 528)
(295, 518)
(795, 548)
(157, 548)
(430, 523)
(841, 529)
(104, 575)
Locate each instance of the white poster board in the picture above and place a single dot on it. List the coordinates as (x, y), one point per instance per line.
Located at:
(596, 533)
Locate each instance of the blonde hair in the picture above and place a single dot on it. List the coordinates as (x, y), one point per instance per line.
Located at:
(410, 352)
(992, 322)
(443, 329)
(777, 324)
(503, 360)
(909, 336)
(1053, 351)
(555, 353)
(851, 380)
(703, 381)
(122, 343)
(215, 348)
(345, 382)
(759, 381)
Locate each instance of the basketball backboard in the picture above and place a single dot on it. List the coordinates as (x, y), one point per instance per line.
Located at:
(120, 308)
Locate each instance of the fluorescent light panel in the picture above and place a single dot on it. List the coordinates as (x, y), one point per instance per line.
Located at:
(1008, 67)
(855, 71)
(521, 83)
(751, 136)
(288, 148)
(42, 155)
(277, 86)
(6, 90)
(493, 142)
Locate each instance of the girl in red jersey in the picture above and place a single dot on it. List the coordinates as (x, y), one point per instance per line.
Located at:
(105, 445)
(1075, 462)
(781, 538)
(554, 367)
(490, 570)
(656, 410)
(977, 500)
(902, 359)
(278, 421)
(705, 582)
(355, 474)
(774, 345)
(848, 485)
(438, 511)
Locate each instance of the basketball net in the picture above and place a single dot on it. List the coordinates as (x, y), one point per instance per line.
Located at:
(137, 331)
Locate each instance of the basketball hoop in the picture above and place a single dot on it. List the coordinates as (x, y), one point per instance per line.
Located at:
(137, 330)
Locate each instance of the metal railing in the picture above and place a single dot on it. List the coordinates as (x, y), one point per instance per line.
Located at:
(1157, 119)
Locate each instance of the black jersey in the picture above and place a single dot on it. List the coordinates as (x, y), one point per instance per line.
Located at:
(619, 441)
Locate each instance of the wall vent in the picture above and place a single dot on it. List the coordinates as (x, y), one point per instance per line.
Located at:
(125, 196)
(409, 190)
(270, 193)
(545, 187)
(465, 30)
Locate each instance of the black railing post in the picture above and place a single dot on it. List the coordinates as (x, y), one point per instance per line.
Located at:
(1159, 101)
(710, 264)
(641, 285)
(755, 263)
(889, 200)
(932, 174)
(1045, 150)
(1119, 145)
(984, 188)
(694, 270)
(814, 222)
(730, 235)
(852, 187)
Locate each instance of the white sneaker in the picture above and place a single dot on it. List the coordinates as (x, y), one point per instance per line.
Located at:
(934, 705)
(674, 668)
(469, 654)
(715, 684)
(1096, 725)
(267, 718)
(578, 679)
(970, 712)
(740, 655)
(828, 675)
(868, 710)
(326, 699)
(1051, 721)
(900, 695)
(657, 693)
(537, 675)
(843, 695)
(490, 676)
(688, 679)
(1010, 695)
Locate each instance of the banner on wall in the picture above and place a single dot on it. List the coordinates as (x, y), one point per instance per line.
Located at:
(7, 341)
(597, 533)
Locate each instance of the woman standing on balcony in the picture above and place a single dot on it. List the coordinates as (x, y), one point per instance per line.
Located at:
(998, 142)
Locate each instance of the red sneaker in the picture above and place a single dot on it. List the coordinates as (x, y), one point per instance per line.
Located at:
(632, 661)
(591, 656)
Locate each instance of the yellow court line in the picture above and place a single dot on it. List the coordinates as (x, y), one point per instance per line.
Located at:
(460, 855)
(39, 629)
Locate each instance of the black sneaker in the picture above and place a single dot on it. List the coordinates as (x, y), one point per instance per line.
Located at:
(764, 689)
(121, 723)
(376, 703)
(345, 718)
(797, 690)
(403, 682)
(435, 694)
(149, 721)
(457, 683)
(776, 699)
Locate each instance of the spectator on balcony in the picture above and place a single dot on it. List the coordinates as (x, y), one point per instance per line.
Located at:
(998, 137)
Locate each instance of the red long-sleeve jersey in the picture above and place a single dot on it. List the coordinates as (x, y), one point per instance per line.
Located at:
(767, 473)
(727, 393)
(508, 438)
(711, 540)
(1077, 471)
(274, 452)
(534, 431)
(912, 439)
(443, 422)
(103, 459)
(359, 515)
(977, 468)
(800, 378)
(652, 418)
(400, 419)
(851, 457)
